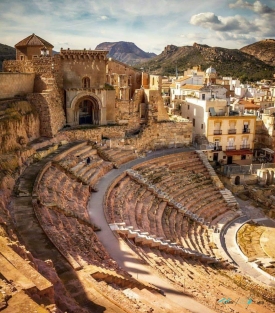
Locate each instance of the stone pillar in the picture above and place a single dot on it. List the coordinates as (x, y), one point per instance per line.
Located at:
(103, 116)
(72, 117)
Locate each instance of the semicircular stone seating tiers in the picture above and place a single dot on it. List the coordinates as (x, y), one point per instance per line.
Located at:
(170, 203)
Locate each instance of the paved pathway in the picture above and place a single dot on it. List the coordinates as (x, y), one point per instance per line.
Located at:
(121, 252)
(229, 244)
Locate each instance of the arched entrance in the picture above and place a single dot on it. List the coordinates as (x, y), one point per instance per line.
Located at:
(85, 108)
(89, 112)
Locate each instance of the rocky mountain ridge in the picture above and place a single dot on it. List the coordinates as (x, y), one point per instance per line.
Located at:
(126, 52)
(227, 62)
(263, 50)
(6, 53)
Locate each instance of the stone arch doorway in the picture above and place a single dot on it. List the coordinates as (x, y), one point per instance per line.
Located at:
(85, 108)
(88, 111)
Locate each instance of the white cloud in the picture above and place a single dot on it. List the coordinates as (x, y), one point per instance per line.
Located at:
(150, 24)
(231, 23)
(257, 7)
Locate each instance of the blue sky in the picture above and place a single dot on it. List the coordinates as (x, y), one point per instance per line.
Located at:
(150, 24)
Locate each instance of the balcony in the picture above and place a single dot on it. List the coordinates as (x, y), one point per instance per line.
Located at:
(218, 132)
(242, 147)
(246, 131)
(232, 131)
(217, 148)
(230, 148)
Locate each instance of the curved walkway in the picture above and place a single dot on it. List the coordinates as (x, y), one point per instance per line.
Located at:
(230, 246)
(121, 252)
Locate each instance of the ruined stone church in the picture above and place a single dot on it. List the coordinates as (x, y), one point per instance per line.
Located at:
(78, 87)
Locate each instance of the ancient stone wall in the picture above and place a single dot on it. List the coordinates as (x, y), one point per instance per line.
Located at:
(19, 124)
(16, 84)
(165, 135)
(48, 90)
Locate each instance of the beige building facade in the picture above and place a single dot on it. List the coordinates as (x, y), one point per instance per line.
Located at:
(232, 138)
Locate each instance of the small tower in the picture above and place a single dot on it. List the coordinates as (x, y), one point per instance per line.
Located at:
(210, 76)
(32, 47)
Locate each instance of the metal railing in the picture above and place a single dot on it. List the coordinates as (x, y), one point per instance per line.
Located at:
(245, 169)
(244, 147)
(218, 132)
(230, 147)
(217, 148)
(246, 130)
(232, 131)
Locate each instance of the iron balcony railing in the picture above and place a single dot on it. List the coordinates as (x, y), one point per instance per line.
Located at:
(232, 131)
(246, 130)
(218, 132)
(230, 147)
(218, 148)
(244, 147)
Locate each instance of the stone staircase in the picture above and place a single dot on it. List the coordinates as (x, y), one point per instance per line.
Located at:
(144, 238)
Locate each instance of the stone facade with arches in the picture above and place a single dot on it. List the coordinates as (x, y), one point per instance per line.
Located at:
(78, 87)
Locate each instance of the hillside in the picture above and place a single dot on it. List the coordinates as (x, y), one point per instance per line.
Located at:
(227, 62)
(126, 52)
(263, 50)
(6, 53)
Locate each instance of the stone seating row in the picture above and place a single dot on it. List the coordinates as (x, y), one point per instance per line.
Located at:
(190, 275)
(163, 195)
(227, 205)
(136, 206)
(112, 277)
(89, 172)
(75, 240)
(144, 238)
(115, 155)
(56, 187)
(15, 269)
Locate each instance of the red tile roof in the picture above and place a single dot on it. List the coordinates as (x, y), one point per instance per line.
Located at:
(249, 105)
(192, 87)
(34, 40)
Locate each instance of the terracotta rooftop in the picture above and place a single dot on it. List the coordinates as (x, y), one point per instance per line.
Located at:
(192, 87)
(183, 78)
(249, 104)
(33, 40)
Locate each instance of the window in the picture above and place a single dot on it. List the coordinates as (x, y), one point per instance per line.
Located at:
(22, 57)
(188, 107)
(194, 122)
(201, 126)
(86, 82)
(203, 96)
(243, 157)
